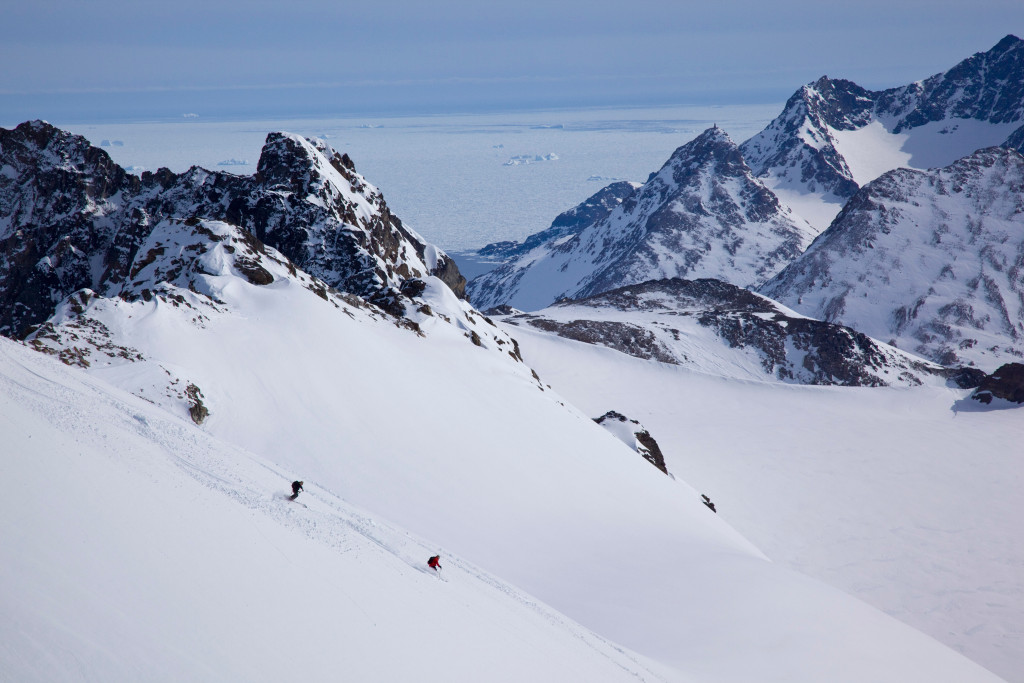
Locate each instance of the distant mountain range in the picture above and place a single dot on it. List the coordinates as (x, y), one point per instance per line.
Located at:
(743, 214)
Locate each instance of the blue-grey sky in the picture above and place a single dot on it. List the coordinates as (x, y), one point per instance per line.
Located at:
(112, 59)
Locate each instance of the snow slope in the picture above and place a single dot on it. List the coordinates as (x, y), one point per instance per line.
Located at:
(906, 498)
(136, 547)
(458, 445)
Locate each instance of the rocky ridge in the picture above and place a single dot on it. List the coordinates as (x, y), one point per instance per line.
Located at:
(567, 223)
(713, 326)
(70, 218)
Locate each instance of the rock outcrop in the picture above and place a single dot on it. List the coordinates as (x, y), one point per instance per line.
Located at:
(1006, 383)
(634, 435)
(70, 218)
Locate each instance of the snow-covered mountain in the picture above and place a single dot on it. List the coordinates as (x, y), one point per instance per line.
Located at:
(834, 136)
(705, 214)
(702, 215)
(90, 219)
(425, 435)
(712, 326)
(931, 261)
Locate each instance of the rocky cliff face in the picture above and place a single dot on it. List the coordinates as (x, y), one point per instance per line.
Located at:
(1006, 384)
(70, 218)
(932, 261)
(702, 215)
(713, 326)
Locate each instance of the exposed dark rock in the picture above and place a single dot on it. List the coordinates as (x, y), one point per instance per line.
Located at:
(650, 449)
(644, 444)
(963, 378)
(1007, 383)
(631, 339)
(412, 287)
(501, 310)
(197, 410)
(253, 271)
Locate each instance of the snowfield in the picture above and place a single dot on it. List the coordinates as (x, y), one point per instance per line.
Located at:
(907, 498)
(139, 546)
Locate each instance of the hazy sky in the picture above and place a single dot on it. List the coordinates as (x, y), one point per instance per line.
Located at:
(102, 59)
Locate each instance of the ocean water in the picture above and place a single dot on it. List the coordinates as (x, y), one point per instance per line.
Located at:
(461, 181)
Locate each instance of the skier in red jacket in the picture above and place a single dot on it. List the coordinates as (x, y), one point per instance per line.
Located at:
(434, 562)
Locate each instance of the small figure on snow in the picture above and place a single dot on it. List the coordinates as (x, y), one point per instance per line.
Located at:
(434, 562)
(296, 487)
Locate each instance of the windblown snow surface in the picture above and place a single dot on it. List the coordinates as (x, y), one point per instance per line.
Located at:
(136, 546)
(907, 498)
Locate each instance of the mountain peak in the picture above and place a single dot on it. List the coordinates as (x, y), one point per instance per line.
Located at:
(78, 219)
(1009, 42)
(713, 135)
(713, 146)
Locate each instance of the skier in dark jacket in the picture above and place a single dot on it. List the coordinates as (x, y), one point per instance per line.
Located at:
(296, 487)
(434, 562)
